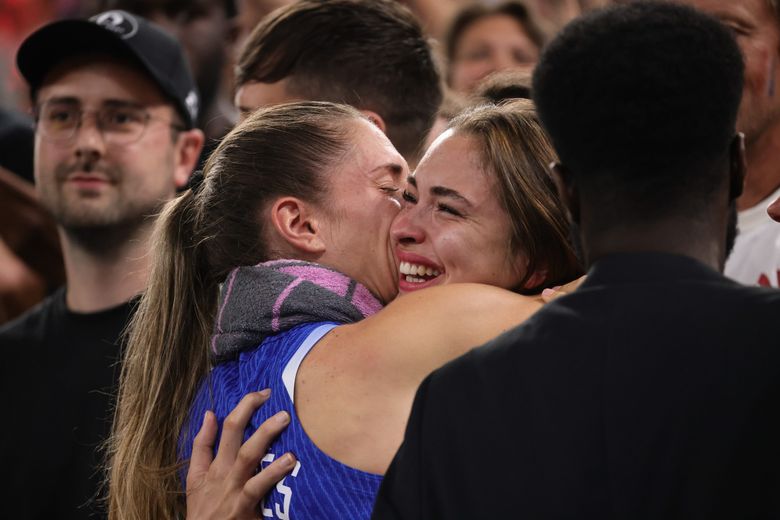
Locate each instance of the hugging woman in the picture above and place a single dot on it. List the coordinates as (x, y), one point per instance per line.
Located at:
(279, 269)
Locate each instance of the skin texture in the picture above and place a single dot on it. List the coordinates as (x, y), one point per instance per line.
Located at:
(450, 212)
(757, 31)
(364, 200)
(493, 43)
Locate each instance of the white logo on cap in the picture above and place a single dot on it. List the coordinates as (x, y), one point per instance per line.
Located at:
(192, 104)
(118, 22)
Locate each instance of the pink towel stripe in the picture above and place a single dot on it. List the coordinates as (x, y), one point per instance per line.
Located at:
(222, 309)
(331, 280)
(280, 300)
(365, 302)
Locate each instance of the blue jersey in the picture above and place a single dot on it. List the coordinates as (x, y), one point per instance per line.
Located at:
(319, 486)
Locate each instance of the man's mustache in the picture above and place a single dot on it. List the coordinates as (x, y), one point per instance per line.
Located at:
(63, 171)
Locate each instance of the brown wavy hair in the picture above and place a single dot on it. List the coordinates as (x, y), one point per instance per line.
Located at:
(516, 150)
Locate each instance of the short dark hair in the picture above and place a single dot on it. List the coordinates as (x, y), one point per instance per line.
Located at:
(503, 85)
(370, 54)
(641, 101)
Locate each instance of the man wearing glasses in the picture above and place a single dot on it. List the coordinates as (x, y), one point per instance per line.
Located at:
(114, 104)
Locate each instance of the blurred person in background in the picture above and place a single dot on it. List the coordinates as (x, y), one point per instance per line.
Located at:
(436, 15)
(370, 54)
(504, 85)
(30, 261)
(482, 40)
(756, 26)
(204, 29)
(494, 89)
(115, 106)
(30, 258)
(552, 15)
(249, 14)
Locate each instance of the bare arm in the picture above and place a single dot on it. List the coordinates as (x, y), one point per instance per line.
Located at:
(421, 331)
(354, 390)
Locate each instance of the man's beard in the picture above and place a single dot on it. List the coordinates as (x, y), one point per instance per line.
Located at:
(103, 226)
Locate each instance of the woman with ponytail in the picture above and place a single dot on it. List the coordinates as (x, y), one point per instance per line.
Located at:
(275, 268)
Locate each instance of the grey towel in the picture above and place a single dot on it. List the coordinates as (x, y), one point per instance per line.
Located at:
(266, 299)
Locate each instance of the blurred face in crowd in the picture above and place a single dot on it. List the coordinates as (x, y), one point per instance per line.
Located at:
(250, 12)
(491, 43)
(105, 150)
(202, 28)
(452, 227)
(757, 30)
(362, 200)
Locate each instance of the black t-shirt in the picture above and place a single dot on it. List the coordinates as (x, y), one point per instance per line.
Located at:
(58, 378)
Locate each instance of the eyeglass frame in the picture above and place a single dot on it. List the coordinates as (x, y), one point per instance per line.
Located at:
(117, 104)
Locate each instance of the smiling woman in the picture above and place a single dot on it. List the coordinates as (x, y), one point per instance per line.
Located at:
(300, 244)
(483, 187)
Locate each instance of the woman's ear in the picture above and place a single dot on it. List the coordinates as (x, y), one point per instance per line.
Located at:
(187, 148)
(536, 279)
(297, 224)
(376, 119)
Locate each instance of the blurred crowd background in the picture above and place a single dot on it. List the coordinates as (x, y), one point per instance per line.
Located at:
(473, 40)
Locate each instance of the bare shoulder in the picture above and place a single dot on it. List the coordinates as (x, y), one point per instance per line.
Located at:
(421, 331)
(445, 300)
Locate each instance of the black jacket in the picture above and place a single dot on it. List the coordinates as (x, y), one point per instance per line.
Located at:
(653, 391)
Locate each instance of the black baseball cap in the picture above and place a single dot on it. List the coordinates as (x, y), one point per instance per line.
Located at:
(113, 32)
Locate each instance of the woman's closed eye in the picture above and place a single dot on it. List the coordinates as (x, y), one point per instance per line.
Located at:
(409, 197)
(392, 192)
(444, 208)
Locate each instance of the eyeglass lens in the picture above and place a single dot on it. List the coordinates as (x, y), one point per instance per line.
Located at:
(119, 123)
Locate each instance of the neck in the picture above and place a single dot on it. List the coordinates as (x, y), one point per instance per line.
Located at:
(105, 273)
(763, 159)
(701, 241)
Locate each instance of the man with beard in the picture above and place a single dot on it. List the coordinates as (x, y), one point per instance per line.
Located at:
(756, 27)
(115, 105)
(651, 391)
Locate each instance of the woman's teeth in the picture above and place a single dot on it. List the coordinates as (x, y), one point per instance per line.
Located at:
(414, 272)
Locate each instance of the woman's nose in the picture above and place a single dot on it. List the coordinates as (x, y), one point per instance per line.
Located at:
(406, 228)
